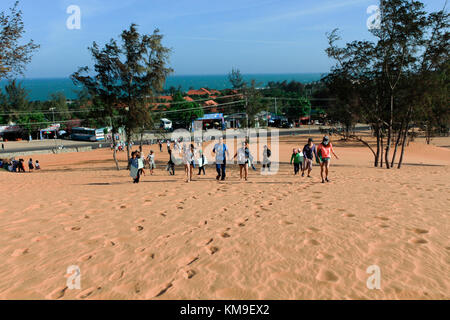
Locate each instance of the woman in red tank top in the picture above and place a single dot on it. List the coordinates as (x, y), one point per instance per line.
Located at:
(324, 151)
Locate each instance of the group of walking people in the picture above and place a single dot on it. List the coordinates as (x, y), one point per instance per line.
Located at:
(192, 158)
(303, 158)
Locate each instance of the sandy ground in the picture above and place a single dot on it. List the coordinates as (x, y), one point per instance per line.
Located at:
(273, 237)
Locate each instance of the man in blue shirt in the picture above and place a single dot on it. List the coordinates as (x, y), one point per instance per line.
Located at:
(221, 151)
(309, 152)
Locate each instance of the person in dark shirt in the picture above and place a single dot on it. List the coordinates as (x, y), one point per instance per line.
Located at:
(309, 152)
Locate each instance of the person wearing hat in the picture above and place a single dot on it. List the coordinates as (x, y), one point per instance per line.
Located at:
(309, 152)
(324, 151)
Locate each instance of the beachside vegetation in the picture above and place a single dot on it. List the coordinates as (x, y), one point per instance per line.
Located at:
(396, 82)
(127, 75)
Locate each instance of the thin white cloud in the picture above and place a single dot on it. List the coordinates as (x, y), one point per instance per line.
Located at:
(240, 40)
(327, 7)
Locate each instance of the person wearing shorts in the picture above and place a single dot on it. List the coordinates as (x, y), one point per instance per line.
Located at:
(324, 152)
(309, 151)
(151, 161)
(243, 155)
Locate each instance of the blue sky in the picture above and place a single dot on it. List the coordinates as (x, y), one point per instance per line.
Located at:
(207, 36)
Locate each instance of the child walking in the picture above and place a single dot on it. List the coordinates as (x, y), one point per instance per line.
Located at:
(297, 159)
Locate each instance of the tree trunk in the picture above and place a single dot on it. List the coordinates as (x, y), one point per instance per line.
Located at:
(114, 151)
(128, 150)
(405, 137)
(381, 150)
(140, 142)
(397, 143)
(389, 133)
(377, 156)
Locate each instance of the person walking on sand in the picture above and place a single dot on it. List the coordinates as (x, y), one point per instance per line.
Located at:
(151, 161)
(38, 166)
(297, 159)
(160, 145)
(189, 161)
(324, 151)
(266, 159)
(221, 151)
(202, 162)
(309, 152)
(134, 167)
(242, 156)
(171, 164)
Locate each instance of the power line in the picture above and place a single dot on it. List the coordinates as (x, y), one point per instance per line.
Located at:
(229, 104)
(103, 109)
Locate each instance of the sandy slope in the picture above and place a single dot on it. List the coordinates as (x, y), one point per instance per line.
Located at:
(274, 237)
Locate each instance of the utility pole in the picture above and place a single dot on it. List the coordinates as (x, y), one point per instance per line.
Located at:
(276, 111)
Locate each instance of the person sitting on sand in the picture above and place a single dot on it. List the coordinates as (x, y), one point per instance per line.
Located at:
(151, 161)
(309, 152)
(21, 166)
(324, 151)
(37, 165)
(30, 165)
(297, 158)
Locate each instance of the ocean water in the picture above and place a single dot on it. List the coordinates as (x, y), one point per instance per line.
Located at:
(41, 89)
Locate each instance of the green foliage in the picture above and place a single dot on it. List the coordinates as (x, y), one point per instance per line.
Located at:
(127, 75)
(186, 111)
(236, 79)
(13, 55)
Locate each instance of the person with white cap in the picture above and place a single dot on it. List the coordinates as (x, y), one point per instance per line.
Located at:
(324, 151)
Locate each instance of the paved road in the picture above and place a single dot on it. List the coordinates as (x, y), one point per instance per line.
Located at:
(49, 145)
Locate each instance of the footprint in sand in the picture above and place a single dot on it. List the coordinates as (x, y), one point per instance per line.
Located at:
(286, 223)
(73, 228)
(19, 252)
(420, 231)
(117, 275)
(324, 255)
(88, 292)
(139, 228)
(312, 242)
(348, 215)
(189, 274)
(312, 229)
(57, 294)
(225, 235)
(418, 241)
(212, 250)
(123, 207)
(384, 226)
(382, 218)
(327, 276)
(86, 257)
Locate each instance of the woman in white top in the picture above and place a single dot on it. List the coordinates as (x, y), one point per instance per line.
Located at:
(189, 162)
(151, 161)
